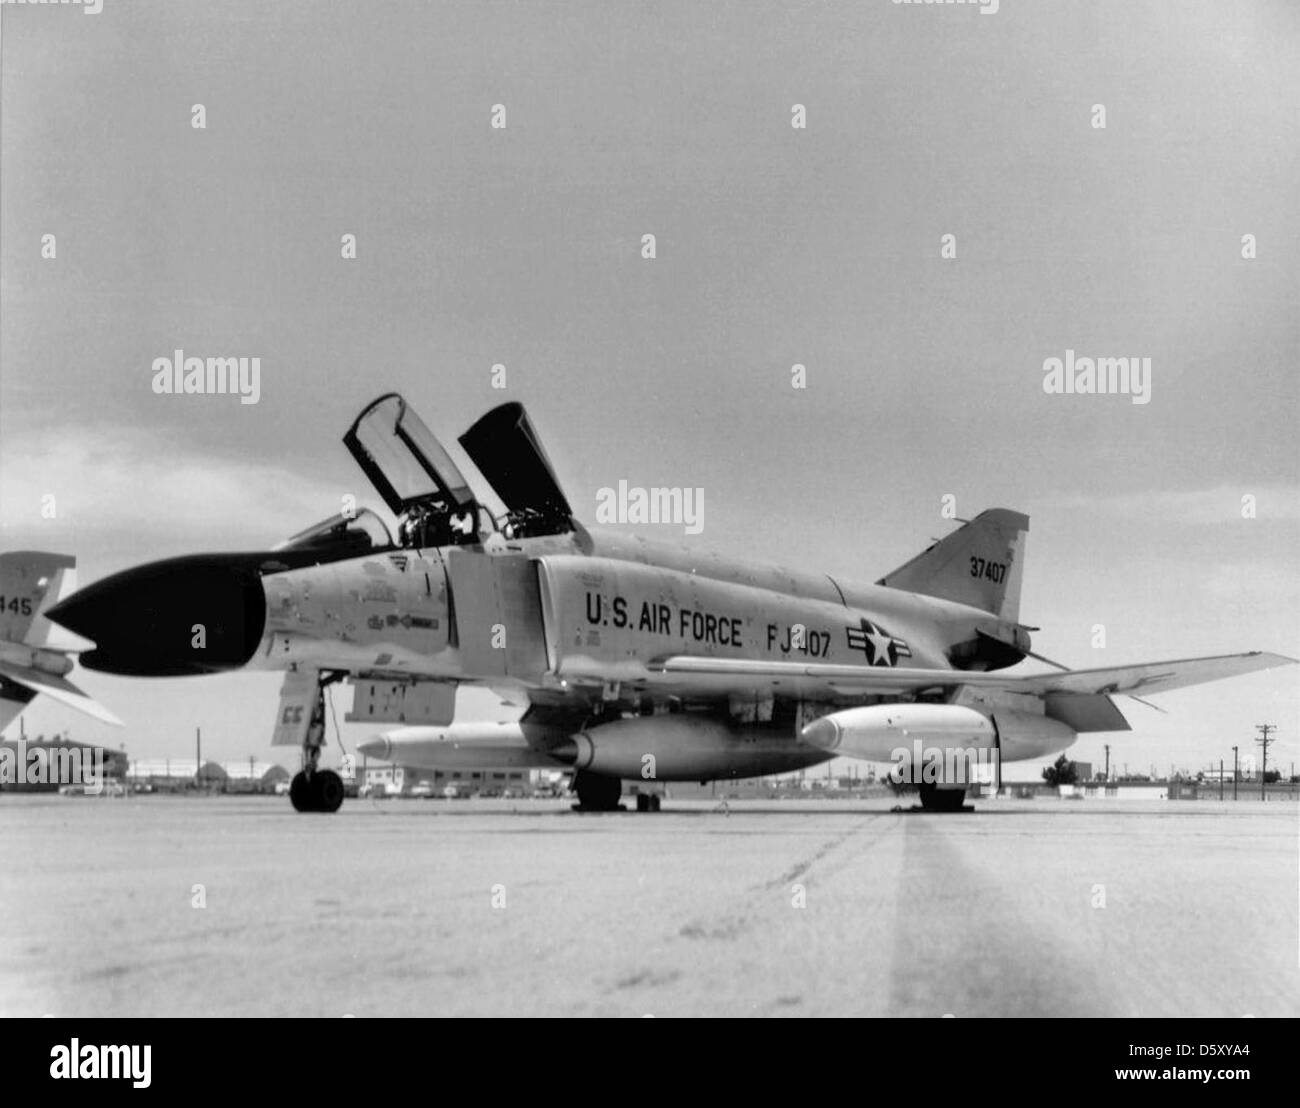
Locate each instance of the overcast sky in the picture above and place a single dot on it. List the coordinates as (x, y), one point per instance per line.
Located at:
(775, 245)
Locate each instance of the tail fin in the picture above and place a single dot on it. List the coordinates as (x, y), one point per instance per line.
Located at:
(33, 651)
(30, 582)
(980, 564)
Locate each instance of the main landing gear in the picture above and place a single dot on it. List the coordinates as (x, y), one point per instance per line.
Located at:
(597, 793)
(313, 789)
(935, 799)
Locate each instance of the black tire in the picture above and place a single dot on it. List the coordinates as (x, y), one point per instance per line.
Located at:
(597, 793)
(301, 794)
(327, 787)
(654, 802)
(935, 799)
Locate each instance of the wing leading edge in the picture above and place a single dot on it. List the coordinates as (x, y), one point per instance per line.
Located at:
(725, 674)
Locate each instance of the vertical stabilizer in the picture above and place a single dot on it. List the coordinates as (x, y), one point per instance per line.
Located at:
(980, 564)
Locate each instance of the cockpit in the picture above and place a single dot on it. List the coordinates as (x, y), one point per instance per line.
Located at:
(417, 479)
(346, 535)
(423, 487)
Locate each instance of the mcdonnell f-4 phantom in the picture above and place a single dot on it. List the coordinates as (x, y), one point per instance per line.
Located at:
(636, 660)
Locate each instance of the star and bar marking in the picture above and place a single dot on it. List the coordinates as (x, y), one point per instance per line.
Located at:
(880, 647)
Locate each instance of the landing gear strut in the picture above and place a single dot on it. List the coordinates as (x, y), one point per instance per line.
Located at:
(313, 789)
(597, 793)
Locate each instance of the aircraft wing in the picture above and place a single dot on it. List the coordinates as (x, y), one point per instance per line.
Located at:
(723, 675)
(1152, 677)
(57, 688)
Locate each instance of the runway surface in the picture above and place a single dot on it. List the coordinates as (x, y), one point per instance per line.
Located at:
(1032, 908)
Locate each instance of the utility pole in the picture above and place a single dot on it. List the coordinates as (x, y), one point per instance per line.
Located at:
(1264, 729)
(1234, 773)
(1108, 763)
(198, 757)
(1220, 778)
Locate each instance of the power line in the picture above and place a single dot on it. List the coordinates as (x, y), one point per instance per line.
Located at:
(1264, 740)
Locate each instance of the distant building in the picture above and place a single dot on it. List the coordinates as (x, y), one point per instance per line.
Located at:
(402, 779)
(186, 773)
(44, 765)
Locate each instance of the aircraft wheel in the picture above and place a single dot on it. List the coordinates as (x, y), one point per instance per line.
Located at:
(654, 803)
(935, 799)
(597, 793)
(642, 802)
(301, 793)
(327, 790)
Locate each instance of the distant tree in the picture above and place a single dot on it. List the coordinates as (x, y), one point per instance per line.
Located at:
(1062, 772)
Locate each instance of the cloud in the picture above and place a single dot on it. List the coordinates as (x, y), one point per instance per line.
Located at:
(1208, 506)
(124, 491)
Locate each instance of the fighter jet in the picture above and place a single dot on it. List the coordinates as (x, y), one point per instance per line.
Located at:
(36, 656)
(637, 660)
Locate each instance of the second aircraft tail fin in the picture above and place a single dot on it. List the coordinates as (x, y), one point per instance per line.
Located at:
(30, 582)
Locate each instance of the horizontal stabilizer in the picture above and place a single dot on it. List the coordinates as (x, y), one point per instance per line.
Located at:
(1085, 714)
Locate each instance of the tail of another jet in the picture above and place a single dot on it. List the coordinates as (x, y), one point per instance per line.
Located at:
(30, 582)
(980, 564)
(34, 653)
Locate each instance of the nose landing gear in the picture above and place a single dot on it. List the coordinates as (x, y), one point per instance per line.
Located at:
(313, 789)
(322, 791)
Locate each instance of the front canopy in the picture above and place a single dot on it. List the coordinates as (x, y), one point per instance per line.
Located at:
(403, 460)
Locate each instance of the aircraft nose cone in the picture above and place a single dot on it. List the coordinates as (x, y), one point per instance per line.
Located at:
(822, 733)
(378, 747)
(182, 616)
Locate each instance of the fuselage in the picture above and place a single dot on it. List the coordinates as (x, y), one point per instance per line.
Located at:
(585, 606)
(585, 613)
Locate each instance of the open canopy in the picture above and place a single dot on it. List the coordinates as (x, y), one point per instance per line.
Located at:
(403, 460)
(509, 454)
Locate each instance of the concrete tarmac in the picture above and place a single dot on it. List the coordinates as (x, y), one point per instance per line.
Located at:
(159, 906)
